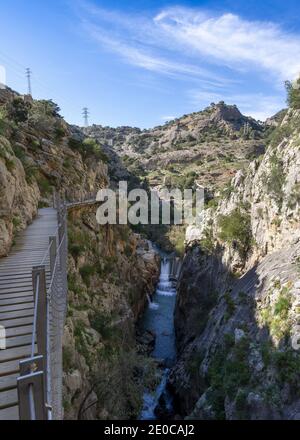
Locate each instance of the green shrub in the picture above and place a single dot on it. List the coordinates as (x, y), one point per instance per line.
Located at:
(44, 185)
(31, 172)
(59, 132)
(19, 153)
(88, 148)
(276, 317)
(73, 284)
(288, 367)
(75, 144)
(275, 180)
(67, 360)
(207, 242)
(294, 197)
(229, 370)
(16, 222)
(92, 148)
(230, 305)
(235, 228)
(227, 191)
(34, 144)
(176, 236)
(241, 404)
(18, 110)
(10, 165)
(76, 249)
(293, 92)
(194, 363)
(86, 272)
(101, 322)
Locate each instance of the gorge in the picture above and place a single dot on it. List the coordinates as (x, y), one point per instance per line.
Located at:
(232, 350)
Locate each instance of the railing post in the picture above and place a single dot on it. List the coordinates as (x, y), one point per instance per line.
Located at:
(61, 228)
(40, 296)
(53, 250)
(54, 196)
(31, 390)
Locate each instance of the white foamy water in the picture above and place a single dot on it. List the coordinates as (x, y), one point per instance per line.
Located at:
(159, 319)
(153, 306)
(165, 286)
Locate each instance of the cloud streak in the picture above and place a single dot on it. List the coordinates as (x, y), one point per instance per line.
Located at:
(212, 52)
(229, 40)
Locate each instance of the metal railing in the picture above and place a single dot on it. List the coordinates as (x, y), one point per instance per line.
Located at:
(83, 199)
(40, 380)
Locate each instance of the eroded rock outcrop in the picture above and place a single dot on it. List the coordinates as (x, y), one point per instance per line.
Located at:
(111, 271)
(237, 314)
(40, 152)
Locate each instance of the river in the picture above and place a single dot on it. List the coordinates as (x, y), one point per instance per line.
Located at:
(159, 319)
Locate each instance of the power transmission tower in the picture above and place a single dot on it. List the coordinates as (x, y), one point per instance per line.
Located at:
(86, 113)
(28, 74)
(246, 128)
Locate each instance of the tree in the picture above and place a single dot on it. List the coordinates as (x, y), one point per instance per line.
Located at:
(293, 91)
(17, 110)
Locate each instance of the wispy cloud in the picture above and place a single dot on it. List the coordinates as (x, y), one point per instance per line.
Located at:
(141, 58)
(230, 40)
(215, 52)
(141, 42)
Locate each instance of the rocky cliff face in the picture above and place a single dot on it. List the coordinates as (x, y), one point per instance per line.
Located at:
(111, 271)
(207, 147)
(237, 314)
(39, 152)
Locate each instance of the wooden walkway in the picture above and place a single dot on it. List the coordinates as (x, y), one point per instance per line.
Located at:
(16, 303)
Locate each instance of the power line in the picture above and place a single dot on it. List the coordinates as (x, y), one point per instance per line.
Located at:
(28, 74)
(18, 70)
(85, 113)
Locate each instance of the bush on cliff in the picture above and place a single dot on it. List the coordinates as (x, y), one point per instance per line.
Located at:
(235, 229)
(293, 90)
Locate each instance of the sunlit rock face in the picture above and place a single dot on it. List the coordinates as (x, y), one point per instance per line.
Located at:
(237, 312)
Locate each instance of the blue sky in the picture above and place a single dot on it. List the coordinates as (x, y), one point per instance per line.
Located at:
(140, 63)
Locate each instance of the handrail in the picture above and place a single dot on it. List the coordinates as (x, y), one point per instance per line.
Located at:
(36, 300)
(40, 381)
(49, 247)
(34, 383)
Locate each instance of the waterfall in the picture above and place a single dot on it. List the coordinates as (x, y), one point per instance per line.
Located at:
(152, 305)
(158, 318)
(165, 286)
(151, 401)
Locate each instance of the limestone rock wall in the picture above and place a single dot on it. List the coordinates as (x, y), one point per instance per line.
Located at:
(111, 270)
(237, 313)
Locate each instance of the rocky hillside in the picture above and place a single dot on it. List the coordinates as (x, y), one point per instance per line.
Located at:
(205, 147)
(39, 152)
(237, 313)
(110, 272)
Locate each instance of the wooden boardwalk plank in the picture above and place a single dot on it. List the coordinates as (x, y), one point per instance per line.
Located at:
(18, 341)
(19, 331)
(8, 382)
(16, 300)
(13, 323)
(8, 398)
(15, 307)
(16, 303)
(10, 414)
(13, 315)
(11, 354)
(10, 367)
